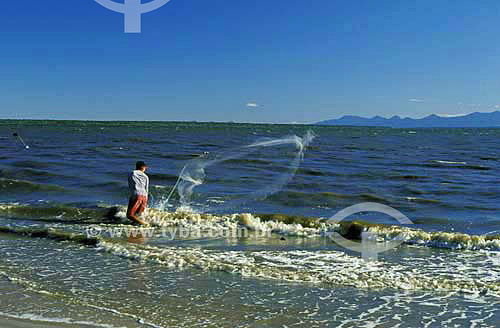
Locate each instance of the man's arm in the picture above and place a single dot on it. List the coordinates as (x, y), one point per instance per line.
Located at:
(130, 182)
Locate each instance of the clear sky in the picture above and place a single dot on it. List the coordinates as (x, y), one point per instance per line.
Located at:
(249, 60)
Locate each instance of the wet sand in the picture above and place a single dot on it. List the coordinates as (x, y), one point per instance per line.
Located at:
(7, 322)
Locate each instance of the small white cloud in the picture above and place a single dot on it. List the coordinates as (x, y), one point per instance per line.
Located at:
(452, 115)
(252, 105)
(415, 100)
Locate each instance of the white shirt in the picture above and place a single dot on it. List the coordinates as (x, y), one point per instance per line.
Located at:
(138, 183)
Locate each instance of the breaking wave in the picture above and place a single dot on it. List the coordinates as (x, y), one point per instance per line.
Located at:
(325, 267)
(279, 224)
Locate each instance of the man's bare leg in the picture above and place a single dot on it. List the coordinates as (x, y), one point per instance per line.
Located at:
(135, 219)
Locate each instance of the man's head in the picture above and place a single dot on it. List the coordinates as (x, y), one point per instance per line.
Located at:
(141, 166)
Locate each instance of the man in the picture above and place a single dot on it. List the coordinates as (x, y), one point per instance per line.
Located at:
(138, 183)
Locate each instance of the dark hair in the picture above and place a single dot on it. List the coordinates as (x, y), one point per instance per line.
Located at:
(139, 165)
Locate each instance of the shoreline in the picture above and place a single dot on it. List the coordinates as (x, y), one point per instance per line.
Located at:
(17, 322)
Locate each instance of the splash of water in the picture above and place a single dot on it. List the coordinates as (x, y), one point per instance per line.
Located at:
(193, 173)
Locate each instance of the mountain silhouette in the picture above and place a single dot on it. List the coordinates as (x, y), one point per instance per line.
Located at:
(473, 120)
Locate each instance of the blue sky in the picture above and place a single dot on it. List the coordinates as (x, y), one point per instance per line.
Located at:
(292, 61)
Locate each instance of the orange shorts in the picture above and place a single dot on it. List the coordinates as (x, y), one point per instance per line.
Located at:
(136, 205)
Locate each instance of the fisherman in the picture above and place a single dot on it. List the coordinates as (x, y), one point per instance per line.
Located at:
(138, 183)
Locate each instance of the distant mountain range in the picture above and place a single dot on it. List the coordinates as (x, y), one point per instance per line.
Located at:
(474, 120)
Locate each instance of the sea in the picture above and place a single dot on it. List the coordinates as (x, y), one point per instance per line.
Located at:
(241, 224)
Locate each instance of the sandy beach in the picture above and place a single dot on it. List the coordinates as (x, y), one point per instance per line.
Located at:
(7, 322)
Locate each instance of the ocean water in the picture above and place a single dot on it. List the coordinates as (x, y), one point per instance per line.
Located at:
(255, 201)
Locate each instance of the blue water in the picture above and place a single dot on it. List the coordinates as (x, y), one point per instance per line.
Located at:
(439, 178)
(51, 194)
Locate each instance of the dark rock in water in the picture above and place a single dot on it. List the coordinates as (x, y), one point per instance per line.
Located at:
(282, 238)
(111, 214)
(352, 230)
(15, 134)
